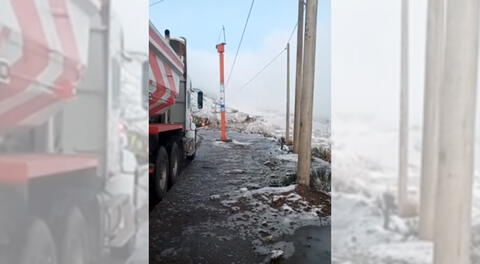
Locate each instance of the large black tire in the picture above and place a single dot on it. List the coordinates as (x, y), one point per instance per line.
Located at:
(175, 163)
(161, 173)
(74, 246)
(39, 245)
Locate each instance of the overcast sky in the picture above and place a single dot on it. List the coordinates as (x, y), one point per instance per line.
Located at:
(366, 59)
(270, 25)
(134, 17)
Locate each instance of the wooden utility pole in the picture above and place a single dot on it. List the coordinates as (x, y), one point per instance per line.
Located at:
(456, 135)
(403, 142)
(298, 75)
(287, 127)
(306, 109)
(433, 79)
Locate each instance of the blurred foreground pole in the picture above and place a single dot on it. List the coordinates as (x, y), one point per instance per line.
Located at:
(403, 142)
(287, 127)
(306, 109)
(298, 75)
(433, 79)
(456, 135)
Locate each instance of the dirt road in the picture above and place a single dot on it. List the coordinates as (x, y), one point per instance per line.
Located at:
(220, 212)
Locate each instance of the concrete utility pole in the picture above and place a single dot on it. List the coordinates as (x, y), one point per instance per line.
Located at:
(456, 135)
(306, 109)
(287, 127)
(298, 76)
(403, 142)
(433, 79)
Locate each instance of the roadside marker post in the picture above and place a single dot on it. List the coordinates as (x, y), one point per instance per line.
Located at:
(221, 49)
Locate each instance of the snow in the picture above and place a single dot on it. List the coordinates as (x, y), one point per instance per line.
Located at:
(240, 143)
(288, 157)
(270, 190)
(276, 254)
(266, 122)
(417, 252)
(221, 144)
(364, 164)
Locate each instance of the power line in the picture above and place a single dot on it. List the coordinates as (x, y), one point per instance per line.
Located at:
(293, 31)
(272, 60)
(264, 68)
(157, 2)
(240, 43)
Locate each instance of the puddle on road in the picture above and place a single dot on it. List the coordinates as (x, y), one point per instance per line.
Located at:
(312, 245)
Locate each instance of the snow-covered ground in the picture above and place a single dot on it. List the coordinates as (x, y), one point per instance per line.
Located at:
(364, 165)
(270, 123)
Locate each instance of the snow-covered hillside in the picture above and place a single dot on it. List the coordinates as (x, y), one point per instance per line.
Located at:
(266, 122)
(364, 167)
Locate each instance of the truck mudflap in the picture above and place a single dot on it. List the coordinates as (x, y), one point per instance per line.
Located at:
(190, 142)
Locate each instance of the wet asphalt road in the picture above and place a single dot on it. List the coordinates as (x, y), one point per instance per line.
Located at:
(188, 226)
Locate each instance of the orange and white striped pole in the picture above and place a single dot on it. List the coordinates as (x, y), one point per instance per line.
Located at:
(223, 136)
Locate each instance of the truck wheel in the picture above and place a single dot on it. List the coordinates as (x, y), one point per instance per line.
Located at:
(39, 247)
(161, 173)
(175, 163)
(75, 243)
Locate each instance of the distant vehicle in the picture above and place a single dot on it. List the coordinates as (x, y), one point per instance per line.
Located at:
(64, 195)
(173, 134)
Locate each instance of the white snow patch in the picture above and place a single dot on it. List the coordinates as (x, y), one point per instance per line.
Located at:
(276, 254)
(222, 144)
(418, 252)
(241, 143)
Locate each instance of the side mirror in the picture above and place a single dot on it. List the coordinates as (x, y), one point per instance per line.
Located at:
(145, 86)
(200, 100)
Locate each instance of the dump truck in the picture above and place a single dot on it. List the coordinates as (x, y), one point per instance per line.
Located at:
(172, 132)
(64, 194)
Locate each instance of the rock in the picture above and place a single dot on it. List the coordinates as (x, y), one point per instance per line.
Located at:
(263, 233)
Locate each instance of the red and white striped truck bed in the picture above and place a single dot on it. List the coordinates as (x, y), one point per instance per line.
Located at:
(43, 51)
(166, 70)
